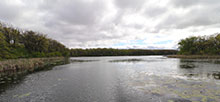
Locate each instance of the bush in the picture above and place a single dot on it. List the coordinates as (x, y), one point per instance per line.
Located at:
(16, 44)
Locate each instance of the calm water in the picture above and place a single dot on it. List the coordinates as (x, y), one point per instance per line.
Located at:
(119, 79)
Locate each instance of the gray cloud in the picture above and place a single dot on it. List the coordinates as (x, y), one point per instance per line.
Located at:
(195, 17)
(155, 11)
(77, 11)
(134, 4)
(189, 3)
(98, 23)
(9, 11)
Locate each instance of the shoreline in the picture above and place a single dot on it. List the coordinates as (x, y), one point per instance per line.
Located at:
(13, 67)
(195, 56)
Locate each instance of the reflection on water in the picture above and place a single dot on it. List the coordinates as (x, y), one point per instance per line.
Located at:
(160, 65)
(7, 82)
(187, 65)
(200, 68)
(118, 79)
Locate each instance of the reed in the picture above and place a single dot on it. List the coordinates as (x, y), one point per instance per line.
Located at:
(16, 66)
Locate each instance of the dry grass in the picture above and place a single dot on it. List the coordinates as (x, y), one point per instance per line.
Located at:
(20, 65)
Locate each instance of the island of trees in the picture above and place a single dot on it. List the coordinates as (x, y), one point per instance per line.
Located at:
(200, 45)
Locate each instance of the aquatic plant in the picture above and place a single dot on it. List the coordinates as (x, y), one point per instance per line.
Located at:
(78, 60)
(15, 66)
(187, 66)
(127, 60)
(195, 56)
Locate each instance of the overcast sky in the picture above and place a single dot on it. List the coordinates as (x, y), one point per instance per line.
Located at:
(146, 24)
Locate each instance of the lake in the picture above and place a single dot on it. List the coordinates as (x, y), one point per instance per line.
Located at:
(119, 79)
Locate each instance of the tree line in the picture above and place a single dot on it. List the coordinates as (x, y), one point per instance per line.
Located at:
(15, 43)
(118, 52)
(200, 45)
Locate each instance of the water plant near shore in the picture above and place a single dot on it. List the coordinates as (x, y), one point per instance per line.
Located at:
(78, 60)
(127, 60)
(195, 56)
(16, 66)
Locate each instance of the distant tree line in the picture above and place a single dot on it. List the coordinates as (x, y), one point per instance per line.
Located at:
(15, 43)
(119, 52)
(200, 45)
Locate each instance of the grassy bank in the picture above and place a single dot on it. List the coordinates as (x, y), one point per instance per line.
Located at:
(22, 66)
(195, 56)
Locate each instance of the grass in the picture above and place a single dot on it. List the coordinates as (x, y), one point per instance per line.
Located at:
(14, 66)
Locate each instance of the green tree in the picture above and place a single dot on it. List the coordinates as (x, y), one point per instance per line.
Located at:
(205, 45)
(4, 50)
(188, 46)
(23, 44)
(35, 42)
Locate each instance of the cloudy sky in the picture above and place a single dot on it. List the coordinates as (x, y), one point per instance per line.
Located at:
(146, 24)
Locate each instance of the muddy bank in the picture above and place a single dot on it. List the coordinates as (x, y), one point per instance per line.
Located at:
(23, 66)
(195, 56)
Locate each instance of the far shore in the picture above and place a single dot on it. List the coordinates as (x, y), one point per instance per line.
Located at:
(195, 56)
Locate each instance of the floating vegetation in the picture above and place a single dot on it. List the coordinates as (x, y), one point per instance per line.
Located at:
(170, 89)
(188, 60)
(186, 66)
(216, 75)
(78, 60)
(195, 56)
(25, 95)
(215, 61)
(127, 60)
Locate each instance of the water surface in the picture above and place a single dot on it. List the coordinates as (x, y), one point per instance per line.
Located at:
(119, 79)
